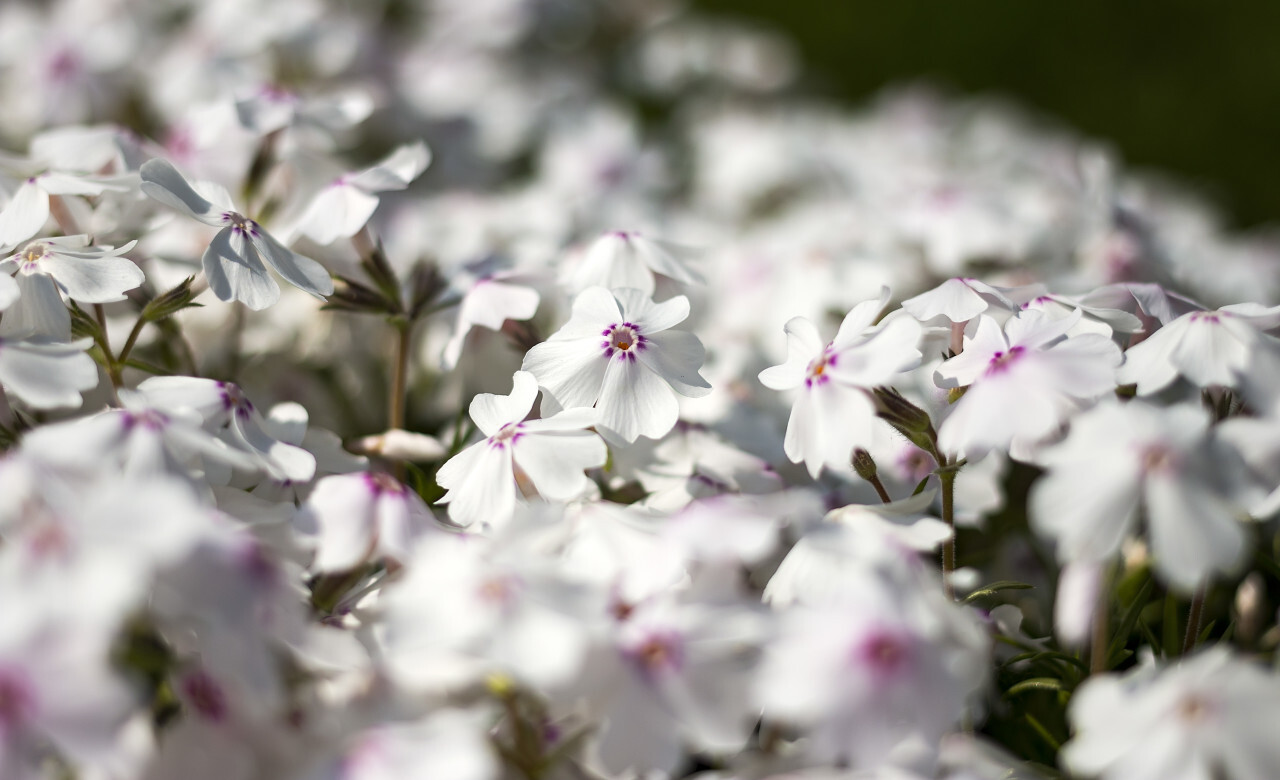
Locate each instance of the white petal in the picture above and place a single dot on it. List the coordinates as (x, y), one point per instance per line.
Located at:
(860, 318)
(635, 402)
(805, 441)
(162, 182)
(236, 274)
(611, 262)
(25, 214)
(593, 310)
(1193, 533)
(652, 317)
(302, 272)
(662, 261)
(676, 356)
(396, 171)
(1088, 508)
(1209, 353)
(338, 211)
(953, 299)
(482, 485)
(965, 368)
(343, 510)
(892, 348)
(490, 412)
(570, 371)
(47, 376)
(1149, 364)
(9, 291)
(97, 280)
(556, 462)
(803, 345)
(39, 313)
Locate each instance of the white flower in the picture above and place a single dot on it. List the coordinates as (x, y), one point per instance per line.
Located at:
(833, 411)
(1224, 347)
(958, 300)
(1117, 458)
(548, 456)
(1022, 382)
(363, 516)
(616, 352)
(228, 412)
(233, 263)
(622, 259)
(70, 266)
(491, 301)
(1213, 715)
(347, 203)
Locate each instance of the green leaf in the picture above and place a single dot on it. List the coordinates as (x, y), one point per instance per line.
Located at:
(1037, 684)
(1127, 622)
(995, 587)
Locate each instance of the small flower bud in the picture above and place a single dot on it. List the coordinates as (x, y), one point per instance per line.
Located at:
(1250, 606)
(863, 464)
(398, 444)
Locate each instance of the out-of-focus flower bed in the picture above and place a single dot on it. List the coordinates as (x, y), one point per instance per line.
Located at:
(546, 389)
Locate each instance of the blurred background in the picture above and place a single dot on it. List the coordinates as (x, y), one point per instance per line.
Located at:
(1188, 87)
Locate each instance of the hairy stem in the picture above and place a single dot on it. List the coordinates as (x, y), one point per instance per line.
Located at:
(113, 366)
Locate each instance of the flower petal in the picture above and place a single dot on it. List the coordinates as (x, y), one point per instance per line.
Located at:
(652, 317)
(338, 211)
(302, 272)
(555, 462)
(676, 356)
(236, 274)
(634, 402)
(25, 214)
(162, 182)
(490, 412)
(803, 345)
(570, 371)
(47, 376)
(97, 280)
(481, 484)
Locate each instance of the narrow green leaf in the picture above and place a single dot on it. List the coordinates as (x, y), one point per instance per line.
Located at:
(995, 587)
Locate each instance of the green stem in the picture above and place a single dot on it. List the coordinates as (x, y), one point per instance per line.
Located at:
(113, 366)
(1193, 619)
(129, 342)
(1098, 642)
(399, 384)
(948, 478)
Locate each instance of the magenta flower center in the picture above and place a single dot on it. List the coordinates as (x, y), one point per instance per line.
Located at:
(816, 373)
(623, 340)
(883, 653)
(509, 433)
(1001, 361)
(657, 653)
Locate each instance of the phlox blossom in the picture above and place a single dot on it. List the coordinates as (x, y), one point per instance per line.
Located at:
(545, 457)
(833, 411)
(618, 353)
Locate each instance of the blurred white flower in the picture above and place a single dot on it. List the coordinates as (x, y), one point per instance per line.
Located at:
(1212, 715)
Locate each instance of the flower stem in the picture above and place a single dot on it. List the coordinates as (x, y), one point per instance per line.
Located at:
(399, 383)
(947, 476)
(113, 367)
(1098, 642)
(1194, 618)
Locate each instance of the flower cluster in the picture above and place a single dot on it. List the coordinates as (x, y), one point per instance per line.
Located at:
(679, 442)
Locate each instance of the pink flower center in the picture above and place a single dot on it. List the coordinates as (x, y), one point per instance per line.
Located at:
(817, 370)
(240, 223)
(658, 653)
(16, 700)
(511, 432)
(883, 654)
(205, 696)
(32, 255)
(1001, 361)
(1157, 458)
(623, 340)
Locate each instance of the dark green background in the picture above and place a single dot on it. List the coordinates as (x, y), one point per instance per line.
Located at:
(1188, 86)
